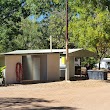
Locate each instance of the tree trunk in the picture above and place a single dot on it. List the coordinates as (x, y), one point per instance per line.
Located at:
(99, 65)
(99, 62)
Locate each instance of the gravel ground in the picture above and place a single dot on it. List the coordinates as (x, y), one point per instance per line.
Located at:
(74, 95)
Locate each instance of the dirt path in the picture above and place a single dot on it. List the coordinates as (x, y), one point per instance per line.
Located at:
(77, 95)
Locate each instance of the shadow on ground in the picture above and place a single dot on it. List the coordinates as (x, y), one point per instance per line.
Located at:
(29, 104)
(108, 81)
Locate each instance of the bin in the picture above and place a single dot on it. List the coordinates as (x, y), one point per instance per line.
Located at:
(97, 74)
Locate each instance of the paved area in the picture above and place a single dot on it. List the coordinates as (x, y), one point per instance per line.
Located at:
(75, 95)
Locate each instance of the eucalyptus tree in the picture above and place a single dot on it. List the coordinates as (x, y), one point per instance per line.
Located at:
(11, 12)
(30, 38)
(91, 25)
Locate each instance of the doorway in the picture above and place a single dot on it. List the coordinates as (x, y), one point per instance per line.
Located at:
(36, 68)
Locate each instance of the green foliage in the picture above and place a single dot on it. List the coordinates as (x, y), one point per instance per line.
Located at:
(30, 37)
(89, 24)
(91, 61)
(91, 27)
(1, 69)
(11, 12)
(57, 29)
(17, 33)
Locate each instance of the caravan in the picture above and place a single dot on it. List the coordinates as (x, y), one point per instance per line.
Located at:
(105, 63)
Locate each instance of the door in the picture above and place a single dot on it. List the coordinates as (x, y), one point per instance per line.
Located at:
(36, 68)
(27, 67)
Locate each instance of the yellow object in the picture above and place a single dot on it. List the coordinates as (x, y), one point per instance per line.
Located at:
(63, 60)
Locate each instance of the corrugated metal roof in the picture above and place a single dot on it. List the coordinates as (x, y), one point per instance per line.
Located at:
(44, 51)
(72, 52)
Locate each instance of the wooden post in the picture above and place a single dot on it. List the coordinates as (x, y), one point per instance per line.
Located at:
(51, 43)
(67, 56)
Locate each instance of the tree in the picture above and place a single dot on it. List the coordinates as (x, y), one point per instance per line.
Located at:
(57, 29)
(11, 12)
(91, 26)
(30, 37)
(53, 23)
(14, 35)
(88, 20)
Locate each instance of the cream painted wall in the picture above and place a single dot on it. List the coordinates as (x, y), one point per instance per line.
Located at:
(71, 66)
(10, 62)
(53, 67)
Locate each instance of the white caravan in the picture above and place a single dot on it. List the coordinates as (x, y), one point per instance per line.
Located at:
(105, 63)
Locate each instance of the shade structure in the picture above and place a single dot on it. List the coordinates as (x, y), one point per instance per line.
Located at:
(82, 53)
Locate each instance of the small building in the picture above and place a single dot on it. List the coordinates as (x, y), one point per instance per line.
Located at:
(75, 66)
(39, 65)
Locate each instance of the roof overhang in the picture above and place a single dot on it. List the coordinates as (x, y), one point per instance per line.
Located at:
(72, 52)
(81, 53)
(32, 52)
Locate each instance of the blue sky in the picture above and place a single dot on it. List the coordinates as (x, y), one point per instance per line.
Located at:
(32, 17)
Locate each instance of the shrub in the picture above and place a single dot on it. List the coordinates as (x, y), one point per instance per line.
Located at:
(1, 69)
